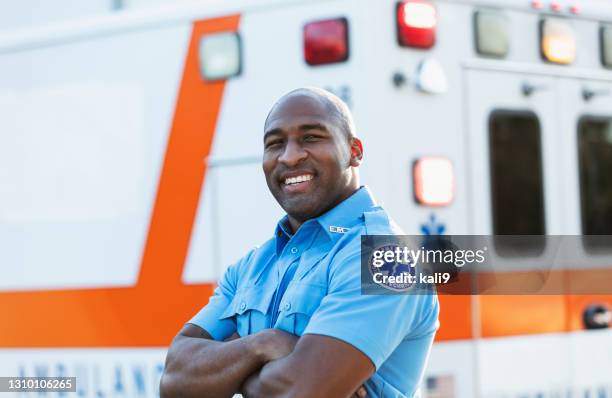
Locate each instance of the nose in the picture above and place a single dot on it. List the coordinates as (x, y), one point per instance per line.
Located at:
(293, 154)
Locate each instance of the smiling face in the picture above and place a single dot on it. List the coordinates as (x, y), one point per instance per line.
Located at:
(309, 161)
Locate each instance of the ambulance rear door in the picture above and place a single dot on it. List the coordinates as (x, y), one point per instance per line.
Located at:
(515, 188)
(585, 110)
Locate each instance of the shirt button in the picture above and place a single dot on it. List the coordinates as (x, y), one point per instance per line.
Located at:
(287, 306)
(294, 250)
(242, 306)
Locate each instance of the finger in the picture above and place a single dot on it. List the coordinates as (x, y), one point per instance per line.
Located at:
(357, 393)
(232, 337)
(361, 392)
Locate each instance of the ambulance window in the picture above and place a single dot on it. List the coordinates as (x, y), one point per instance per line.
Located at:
(517, 191)
(595, 162)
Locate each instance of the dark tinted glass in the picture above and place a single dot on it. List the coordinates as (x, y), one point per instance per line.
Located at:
(595, 162)
(516, 181)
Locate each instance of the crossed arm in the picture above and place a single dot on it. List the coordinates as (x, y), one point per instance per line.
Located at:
(270, 363)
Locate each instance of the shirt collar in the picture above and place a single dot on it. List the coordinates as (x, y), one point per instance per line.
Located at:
(346, 212)
(334, 222)
(283, 227)
(282, 234)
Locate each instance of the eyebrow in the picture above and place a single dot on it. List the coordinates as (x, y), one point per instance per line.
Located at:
(313, 126)
(271, 132)
(303, 127)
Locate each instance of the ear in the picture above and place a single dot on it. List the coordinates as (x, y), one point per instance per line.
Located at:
(356, 152)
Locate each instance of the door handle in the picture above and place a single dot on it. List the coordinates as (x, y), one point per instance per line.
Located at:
(588, 94)
(528, 89)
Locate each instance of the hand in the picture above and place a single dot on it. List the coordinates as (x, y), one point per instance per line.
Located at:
(360, 393)
(250, 386)
(272, 344)
(234, 336)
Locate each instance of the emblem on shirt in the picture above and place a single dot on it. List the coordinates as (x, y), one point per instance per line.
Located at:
(338, 230)
(392, 268)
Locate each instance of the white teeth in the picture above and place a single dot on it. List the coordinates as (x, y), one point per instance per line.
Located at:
(295, 180)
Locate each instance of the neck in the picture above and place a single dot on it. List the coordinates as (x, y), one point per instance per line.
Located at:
(295, 223)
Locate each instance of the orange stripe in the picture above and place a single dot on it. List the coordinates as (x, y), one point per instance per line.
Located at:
(150, 313)
(455, 318)
(520, 315)
(184, 167)
(506, 312)
(535, 314)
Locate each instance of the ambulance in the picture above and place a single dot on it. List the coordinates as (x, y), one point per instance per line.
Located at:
(130, 173)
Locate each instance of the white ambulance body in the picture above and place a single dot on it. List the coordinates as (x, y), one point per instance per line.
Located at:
(129, 181)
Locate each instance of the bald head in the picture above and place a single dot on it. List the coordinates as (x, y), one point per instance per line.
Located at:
(334, 106)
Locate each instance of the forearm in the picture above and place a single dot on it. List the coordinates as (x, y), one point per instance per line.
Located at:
(198, 367)
(258, 386)
(319, 366)
(276, 380)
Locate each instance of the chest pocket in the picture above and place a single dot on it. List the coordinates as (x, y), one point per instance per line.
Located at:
(249, 309)
(299, 302)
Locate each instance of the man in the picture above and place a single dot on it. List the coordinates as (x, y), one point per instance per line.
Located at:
(289, 319)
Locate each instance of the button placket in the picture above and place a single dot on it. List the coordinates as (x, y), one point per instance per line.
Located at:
(285, 262)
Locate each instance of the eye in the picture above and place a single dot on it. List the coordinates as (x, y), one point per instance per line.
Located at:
(273, 143)
(311, 138)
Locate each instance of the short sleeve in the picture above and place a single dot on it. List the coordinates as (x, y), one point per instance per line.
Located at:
(374, 324)
(209, 317)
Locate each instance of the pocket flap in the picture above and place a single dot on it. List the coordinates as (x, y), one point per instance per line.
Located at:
(247, 299)
(302, 298)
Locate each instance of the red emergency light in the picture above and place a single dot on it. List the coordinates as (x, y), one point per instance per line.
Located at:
(326, 42)
(416, 23)
(556, 6)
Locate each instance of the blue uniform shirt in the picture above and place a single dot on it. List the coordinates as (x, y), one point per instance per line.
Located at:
(310, 283)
